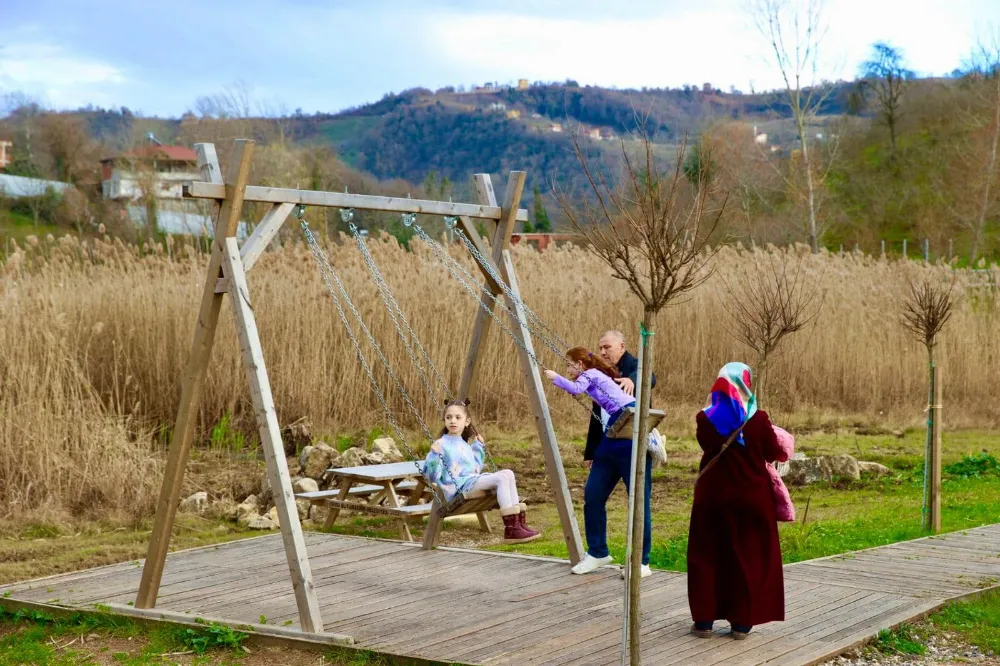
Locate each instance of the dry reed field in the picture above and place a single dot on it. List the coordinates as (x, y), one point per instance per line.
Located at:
(94, 336)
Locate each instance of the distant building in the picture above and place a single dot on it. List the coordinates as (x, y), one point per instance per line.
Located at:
(165, 167)
(594, 134)
(16, 187)
(706, 87)
(536, 116)
(555, 127)
(522, 84)
(498, 106)
(6, 156)
(513, 114)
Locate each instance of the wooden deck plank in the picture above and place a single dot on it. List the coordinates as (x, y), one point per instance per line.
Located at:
(482, 607)
(673, 629)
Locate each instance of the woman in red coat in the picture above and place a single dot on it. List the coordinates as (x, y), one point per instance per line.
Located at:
(734, 558)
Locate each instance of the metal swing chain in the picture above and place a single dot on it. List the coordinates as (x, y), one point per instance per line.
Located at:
(530, 314)
(327, 271)
(455, 267)
(397, 316)
(388, 298)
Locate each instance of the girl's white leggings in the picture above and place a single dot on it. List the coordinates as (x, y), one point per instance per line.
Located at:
(504, 482)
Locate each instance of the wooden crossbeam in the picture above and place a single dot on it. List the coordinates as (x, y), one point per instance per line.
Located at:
(202, 190)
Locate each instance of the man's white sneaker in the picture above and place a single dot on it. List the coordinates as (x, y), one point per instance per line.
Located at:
(646, 571)
(589, 564)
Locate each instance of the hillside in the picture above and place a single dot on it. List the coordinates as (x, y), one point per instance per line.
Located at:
(417, 132)
(934, 177)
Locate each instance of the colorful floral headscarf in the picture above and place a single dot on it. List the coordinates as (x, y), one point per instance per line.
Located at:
(731, 402)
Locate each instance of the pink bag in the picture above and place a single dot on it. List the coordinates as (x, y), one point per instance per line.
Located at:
(783, 507)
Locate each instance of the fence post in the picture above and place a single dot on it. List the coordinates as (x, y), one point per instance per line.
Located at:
(904, 249)
(883, 249)
(951, 251)
(927, 249)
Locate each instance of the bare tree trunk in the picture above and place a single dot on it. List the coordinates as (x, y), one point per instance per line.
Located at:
(639, 494)
(977, 232)
(810, 187)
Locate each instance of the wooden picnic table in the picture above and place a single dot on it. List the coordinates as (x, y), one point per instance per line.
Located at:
(377, 490)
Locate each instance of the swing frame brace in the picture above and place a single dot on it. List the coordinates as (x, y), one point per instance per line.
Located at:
(227, 271)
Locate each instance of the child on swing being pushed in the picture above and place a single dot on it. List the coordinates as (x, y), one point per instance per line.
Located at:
(455, 464)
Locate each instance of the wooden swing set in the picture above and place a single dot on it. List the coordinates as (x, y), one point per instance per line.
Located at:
(227, 271)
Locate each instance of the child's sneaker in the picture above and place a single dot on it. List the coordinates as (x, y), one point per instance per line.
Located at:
(589, 563)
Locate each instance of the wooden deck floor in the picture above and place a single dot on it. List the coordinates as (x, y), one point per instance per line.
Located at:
(488, 608)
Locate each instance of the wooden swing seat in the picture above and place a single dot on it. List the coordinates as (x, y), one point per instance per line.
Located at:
(622, 428)
(474, 501)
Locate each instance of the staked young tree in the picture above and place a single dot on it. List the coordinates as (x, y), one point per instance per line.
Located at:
(652, 226)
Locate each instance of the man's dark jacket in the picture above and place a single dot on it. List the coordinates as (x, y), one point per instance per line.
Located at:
(628, 366)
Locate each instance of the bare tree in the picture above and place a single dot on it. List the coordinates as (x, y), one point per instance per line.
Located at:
(652, 227)
(794, 30)
(926, 310)
(885, 76)
(769, 301)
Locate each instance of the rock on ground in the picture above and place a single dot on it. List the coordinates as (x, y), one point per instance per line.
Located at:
(844, 466)
(802, 471)
(196, 503)
(873, 468)
(373, 458)
(305, 485)
(352, 457)
(319, 458)
(808, 470)
(262, 523)
(387, 447)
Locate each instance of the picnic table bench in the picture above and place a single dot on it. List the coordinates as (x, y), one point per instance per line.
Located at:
(376, 490)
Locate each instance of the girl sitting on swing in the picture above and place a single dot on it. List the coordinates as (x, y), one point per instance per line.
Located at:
(455, 464)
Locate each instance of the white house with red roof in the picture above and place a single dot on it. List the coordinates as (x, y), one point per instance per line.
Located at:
(164, 168)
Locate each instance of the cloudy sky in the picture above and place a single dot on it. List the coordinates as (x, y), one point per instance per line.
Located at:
(157, 58)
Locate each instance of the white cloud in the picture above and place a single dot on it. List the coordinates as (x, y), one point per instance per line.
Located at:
(61, 78)
(716, 42)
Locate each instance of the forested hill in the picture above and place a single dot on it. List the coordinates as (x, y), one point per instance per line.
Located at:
(450, 133)
(417, 132)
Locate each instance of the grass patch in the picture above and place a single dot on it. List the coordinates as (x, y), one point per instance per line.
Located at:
(905, 640)
(35, 638)
(974, 466)
(977, 621)
(41, 549)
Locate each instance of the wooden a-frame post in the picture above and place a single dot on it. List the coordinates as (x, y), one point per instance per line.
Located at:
(226, 264)
(504, 267)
